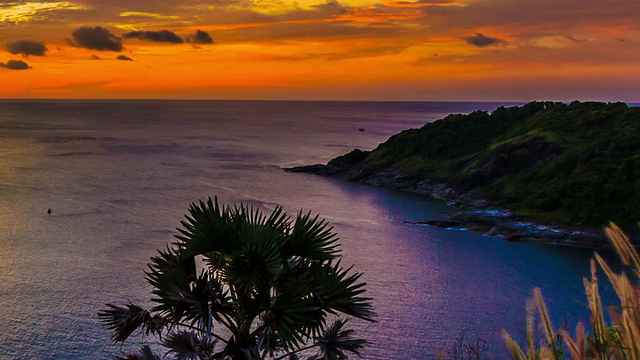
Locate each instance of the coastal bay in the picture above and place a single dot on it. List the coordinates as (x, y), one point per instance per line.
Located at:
(119, 176)
(544, 172)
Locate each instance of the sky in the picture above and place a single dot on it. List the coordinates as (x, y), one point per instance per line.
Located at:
(433, 50)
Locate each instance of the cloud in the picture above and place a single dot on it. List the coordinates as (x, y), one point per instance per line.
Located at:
(26, 48)
(576, 40)
(94, 57)
(20, 12)
(96, 38)
(156, 36)
(201, 37)
(481, 40)
(143, 14)
(15, 65)
(353, 53)
(124, 58)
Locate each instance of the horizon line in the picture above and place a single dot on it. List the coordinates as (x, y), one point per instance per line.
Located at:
(315, 100)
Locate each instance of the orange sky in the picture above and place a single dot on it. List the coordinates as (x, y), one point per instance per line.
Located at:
(504, 50)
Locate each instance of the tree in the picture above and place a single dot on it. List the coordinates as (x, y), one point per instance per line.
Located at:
(240, 285)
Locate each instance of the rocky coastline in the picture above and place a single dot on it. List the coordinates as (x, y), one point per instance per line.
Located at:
(476, 213)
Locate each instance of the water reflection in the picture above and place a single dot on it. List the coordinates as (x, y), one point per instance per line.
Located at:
(430, 284)
(115, 207)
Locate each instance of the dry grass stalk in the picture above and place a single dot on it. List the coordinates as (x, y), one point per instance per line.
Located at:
(620, 340)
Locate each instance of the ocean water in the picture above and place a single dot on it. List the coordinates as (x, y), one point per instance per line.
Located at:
(119, 175)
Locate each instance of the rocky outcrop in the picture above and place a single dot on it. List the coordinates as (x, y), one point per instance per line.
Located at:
(478, 214)
(570, 164)
(350, 166)
(511, 227)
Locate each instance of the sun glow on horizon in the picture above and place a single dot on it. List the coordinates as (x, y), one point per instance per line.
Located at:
(352, 49)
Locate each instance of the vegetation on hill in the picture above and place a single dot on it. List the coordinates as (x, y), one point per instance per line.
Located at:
(242, 285)
(577, 162)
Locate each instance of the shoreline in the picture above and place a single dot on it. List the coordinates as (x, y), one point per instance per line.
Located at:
(475, 213)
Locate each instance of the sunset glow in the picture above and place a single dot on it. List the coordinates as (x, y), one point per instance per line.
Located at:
(349, 50)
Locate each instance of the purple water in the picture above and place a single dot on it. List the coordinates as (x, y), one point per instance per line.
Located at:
(119, 175)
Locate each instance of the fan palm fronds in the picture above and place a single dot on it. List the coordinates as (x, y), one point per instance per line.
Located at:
(336, 341)
(266, 286)
(144, 354)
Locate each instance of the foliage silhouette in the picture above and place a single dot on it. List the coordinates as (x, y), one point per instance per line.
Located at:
(242, 285)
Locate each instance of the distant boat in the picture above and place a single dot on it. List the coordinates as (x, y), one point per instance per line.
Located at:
(361, 129)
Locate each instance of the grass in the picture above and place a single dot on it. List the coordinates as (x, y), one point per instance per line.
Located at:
(618, 338)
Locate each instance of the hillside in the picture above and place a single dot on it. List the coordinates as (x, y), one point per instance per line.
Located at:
(577, 163)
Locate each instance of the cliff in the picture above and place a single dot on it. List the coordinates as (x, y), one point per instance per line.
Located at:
(575, 166)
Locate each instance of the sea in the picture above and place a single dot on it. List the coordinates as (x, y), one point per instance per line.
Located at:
(119, 176)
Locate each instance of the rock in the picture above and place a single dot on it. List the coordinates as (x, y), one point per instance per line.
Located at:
(497, 230)
(312, 169)
(553, 234)
(349, 159)
(477, 218)
(477, 215)
(443, 223)
(513, 237)
(392, 179)
(347, 166)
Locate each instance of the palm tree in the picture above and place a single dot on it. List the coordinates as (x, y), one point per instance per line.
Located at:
(240, 285)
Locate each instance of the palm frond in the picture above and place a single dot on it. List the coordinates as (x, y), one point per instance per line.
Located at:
(279, 220)
(335, 341)
(144, 354)
(187, 345)
(169, 279)
(311, 238)
(268, 340)
(258, 262)
(294, 316)
(208, 228)
(339, 290)
(207, 298)
(123, 321)
(270, 281)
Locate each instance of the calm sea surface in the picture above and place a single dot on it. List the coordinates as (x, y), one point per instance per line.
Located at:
(119, 175)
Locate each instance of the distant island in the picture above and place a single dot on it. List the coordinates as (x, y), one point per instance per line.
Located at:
(544, 171)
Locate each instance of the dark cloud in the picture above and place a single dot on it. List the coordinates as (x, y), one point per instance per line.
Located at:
(200, 37)
(15, 65)
(26, 48)
(96, 38)
(156, 36)
(94, 57)
(481, 40)
(124, 58)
